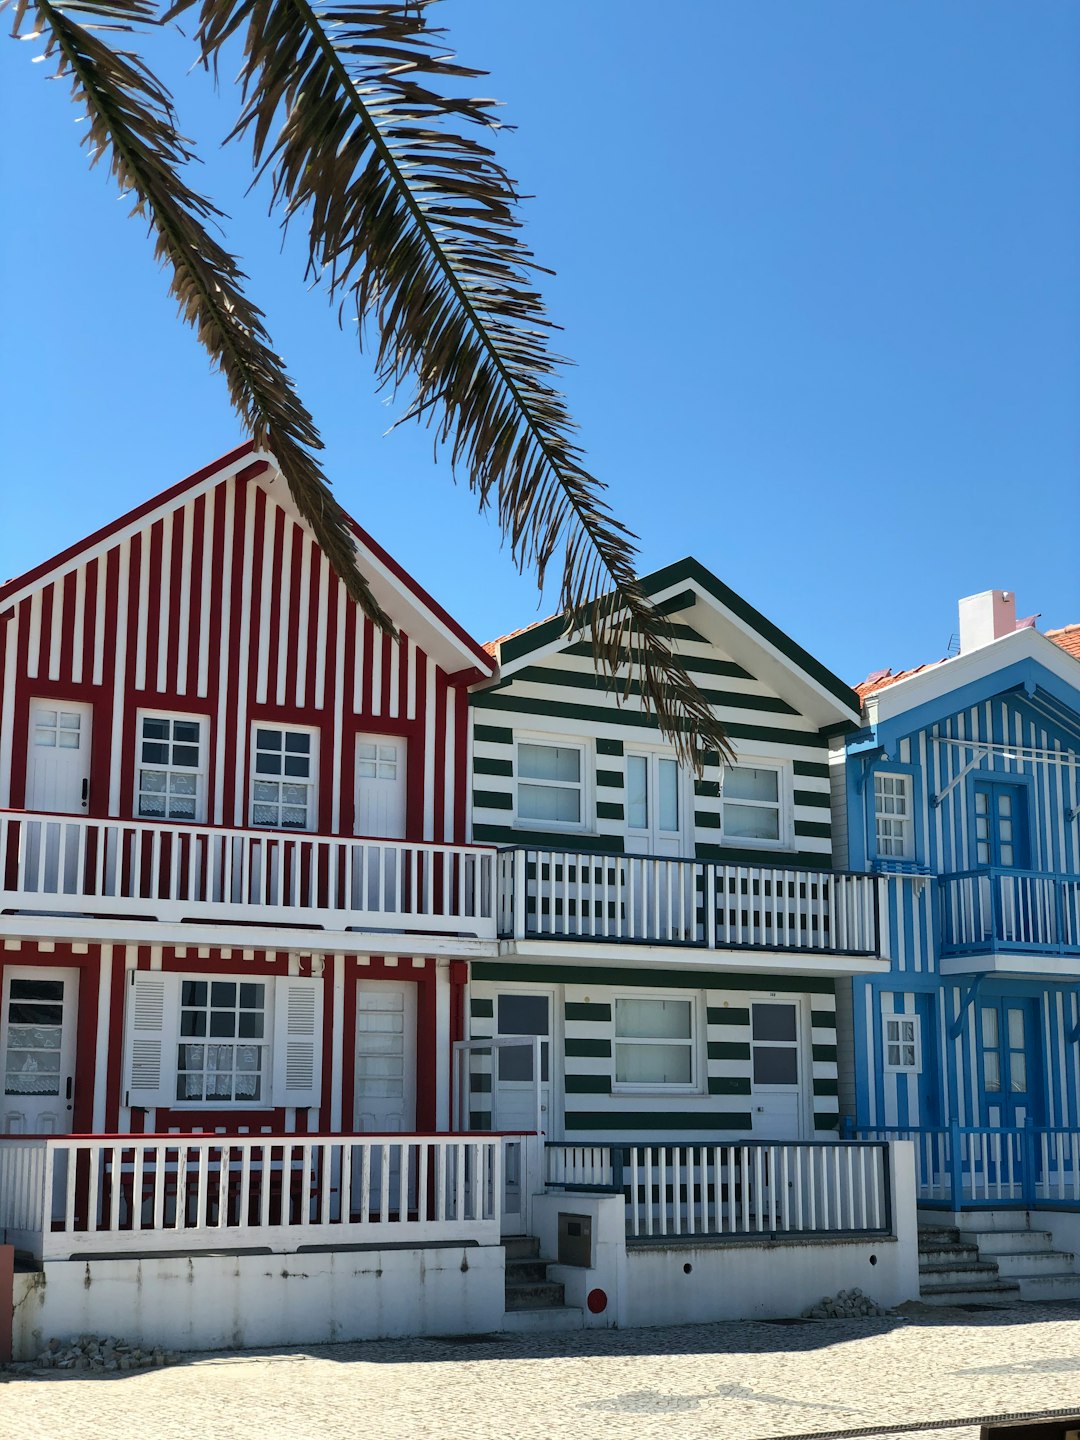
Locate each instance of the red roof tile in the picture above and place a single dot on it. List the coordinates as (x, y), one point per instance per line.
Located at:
(1068, 637)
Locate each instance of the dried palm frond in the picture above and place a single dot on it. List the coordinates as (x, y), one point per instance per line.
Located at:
(413, 225)
(132, 121)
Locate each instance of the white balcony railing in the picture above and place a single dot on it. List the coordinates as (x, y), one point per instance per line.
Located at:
(651, 899)
(994, 909)
(59, 864)
(752, 1190)
(135, 1194)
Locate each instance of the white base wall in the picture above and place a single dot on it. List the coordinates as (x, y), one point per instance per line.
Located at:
(688, 1284)
(212, 1302)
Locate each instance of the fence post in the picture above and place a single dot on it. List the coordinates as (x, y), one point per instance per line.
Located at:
(520, 893)
(710, 905)
(1027, 1177)
(956, 1179)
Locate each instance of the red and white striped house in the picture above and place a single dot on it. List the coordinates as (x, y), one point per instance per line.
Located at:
(234, 889)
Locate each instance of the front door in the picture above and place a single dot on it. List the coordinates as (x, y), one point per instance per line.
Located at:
(777, 1079)
(515, 1093)
(1010, 1067)
(37, 1049)
(385, 1091)
(655, 819)
(58, 757)
(380, 786)
(1001, 826)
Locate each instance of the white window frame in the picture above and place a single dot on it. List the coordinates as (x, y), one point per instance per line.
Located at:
(583, 786)
(266, 1043)
(887, 1021)
(683, 796)
(786, 837)
(907, 819)
(698, 1075)
(312, 781)
(200, 773)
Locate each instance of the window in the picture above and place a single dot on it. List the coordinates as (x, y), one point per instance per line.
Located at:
(170, 772)
(376, 761)
(752, 804)
(550, 783)
(774, 1033)
(283, 782)
(892, 816)
(223, 1041)
(654, 1042)
(57, 729)
(902, 1048)
(652, 794)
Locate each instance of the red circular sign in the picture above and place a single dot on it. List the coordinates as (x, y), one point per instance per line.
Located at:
(597, 1301)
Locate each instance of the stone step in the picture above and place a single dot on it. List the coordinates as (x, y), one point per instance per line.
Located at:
(1034, 1262)
(559, 1317)
(1049, 1287)
(520, 1272)
(971, 1292)
(521, 1247)
(939, 1234)
(957, 1274)
(1010, 1242)
(535, 1296)
(949, 1254)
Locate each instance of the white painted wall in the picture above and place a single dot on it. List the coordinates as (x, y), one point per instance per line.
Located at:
(205, 1302)
(608, 1269)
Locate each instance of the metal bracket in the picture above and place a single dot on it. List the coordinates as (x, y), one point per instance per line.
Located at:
(980, 755)
(957, 1026)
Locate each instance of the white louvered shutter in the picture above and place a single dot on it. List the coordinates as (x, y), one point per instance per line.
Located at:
(150, 1039)
(298, 1008)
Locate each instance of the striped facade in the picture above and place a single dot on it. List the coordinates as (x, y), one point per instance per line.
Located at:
(778, 706)
(212, 602)
(1024, 701)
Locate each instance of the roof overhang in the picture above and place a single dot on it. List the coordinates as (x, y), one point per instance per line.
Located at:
(1012, 965)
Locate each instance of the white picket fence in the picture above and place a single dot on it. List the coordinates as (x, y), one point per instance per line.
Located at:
(656, 900)
(973, 1166)
(752, 1190)
(65, 1197)
(71, 865)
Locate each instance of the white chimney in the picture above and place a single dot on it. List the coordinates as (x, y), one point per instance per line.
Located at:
(986, 617)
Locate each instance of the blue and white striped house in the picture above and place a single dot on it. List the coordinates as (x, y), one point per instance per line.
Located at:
(962, 791)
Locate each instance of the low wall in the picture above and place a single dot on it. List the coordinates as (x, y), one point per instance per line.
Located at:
(204, 1302)
(604, 1279)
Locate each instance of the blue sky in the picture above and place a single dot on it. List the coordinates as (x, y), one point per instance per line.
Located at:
(817, 266)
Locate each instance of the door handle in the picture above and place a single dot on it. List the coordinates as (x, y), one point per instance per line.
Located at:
(67, 1091)
(86, 792)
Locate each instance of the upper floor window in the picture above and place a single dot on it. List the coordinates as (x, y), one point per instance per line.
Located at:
(753, 803)
(902, 1049)
(171, 768)
(892, 817)
(550, 783)
(283, 778)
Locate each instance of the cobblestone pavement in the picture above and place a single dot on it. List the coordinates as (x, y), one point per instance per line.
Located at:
(725, 1382)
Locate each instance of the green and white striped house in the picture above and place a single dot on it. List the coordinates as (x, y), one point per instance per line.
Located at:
(670, 943)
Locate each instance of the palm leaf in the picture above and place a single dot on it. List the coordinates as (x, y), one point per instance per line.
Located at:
(132, 121)
(413, 224)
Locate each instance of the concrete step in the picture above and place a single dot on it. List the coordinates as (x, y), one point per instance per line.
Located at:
(534, 1296)
(972, 1292)
(938, 1235)
(1010, 1242)
(948, 1254)
(531, 1322)
(957, 1274)
(1035, 1262)
(521, 1272)
(1049, 1287)
(521, 1247)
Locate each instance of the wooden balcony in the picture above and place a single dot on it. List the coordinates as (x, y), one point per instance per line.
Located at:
(1019, 911)
(652, 900)
(66, 865)
(112, 1195)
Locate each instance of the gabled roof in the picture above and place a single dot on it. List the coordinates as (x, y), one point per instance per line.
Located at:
(1068, 638)
(723, 618)
(422, 617)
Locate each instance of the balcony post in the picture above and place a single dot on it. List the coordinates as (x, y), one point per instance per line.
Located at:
(956, 1177)
(1027, 1176)
(710, 904)
(521, 897)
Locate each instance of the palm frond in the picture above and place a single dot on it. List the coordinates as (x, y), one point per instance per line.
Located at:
(133, 123)
(413, 223)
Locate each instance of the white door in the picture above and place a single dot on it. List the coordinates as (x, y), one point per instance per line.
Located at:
(380, 786)
(778, 1098)
(525, 1015)
(655, 805)
(58, 757)
(37, 1050)
(385, 1090)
